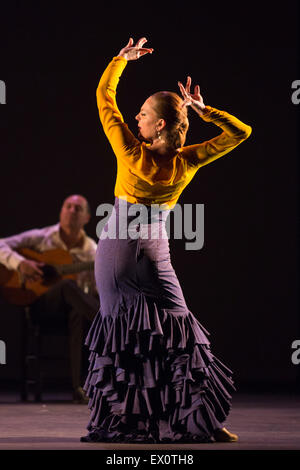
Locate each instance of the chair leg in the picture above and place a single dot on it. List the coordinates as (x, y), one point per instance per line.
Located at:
(31, 379)
(38, 378)
(24, 350)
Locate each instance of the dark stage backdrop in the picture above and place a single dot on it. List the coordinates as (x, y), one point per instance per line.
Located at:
(242, 285)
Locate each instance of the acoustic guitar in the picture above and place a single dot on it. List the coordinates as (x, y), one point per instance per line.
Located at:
(58, 265)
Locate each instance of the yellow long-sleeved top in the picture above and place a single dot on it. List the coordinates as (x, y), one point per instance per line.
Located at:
(144, 177)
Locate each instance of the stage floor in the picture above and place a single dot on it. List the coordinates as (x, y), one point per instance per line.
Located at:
(263, 422)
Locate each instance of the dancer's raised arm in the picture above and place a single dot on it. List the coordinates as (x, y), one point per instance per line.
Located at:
(120, 137)
(234, 130)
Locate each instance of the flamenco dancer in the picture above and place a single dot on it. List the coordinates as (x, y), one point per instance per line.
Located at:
(152, 375)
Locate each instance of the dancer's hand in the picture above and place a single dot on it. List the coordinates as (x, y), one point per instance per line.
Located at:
(194, 100)
(131, 52)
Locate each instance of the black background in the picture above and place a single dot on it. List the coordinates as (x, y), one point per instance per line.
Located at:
(242, 285)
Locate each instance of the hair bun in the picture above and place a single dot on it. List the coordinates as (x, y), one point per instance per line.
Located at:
(168, 106)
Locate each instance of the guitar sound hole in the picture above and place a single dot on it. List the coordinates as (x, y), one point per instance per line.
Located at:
(50, 273)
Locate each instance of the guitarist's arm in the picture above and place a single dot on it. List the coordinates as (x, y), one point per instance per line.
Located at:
(12, 260)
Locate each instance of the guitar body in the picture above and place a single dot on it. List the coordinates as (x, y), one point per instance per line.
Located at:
(16, 292)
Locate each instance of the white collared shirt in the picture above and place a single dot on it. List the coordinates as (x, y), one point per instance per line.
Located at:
(43, 239)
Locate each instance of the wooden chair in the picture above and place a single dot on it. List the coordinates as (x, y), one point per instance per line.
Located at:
(34, 356)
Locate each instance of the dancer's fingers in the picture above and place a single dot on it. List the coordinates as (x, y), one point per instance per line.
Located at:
(197, 90)
(141, 42)
(145, 51)
(130, 42)
(183, 90)
(188, 84)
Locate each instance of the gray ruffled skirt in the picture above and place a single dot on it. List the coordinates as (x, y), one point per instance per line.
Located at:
(152, 376)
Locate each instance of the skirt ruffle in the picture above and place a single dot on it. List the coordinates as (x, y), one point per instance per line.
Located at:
(153, 378)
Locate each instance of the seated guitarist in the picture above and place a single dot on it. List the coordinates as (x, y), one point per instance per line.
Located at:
(67, 301)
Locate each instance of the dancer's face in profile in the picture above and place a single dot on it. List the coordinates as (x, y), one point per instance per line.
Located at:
(148, 121)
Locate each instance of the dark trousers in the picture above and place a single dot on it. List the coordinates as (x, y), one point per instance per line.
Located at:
(66, 306)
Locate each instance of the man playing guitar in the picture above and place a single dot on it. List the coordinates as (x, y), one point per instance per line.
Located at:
(65, 301)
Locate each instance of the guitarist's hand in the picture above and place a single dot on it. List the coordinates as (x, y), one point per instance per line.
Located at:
(30, 270)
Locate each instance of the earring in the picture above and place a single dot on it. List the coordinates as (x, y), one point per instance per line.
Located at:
(159, 135)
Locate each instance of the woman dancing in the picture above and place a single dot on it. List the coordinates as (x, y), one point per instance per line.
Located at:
(152, 375)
